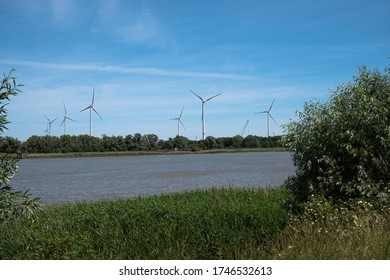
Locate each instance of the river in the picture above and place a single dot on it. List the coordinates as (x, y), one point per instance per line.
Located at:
(62, 180)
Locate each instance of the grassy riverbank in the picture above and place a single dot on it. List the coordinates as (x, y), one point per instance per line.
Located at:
(231, 223)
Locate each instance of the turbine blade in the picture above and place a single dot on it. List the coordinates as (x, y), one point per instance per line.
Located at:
(96, 112)
(63, 121)
(181, 113)
(46, 117)
(71, 119)
(182, 124)
(269, 110)
(197, 95)
(213, 97)
(272, 118)
(93, 96)
(64, 108)
(86, 108)
(262, 112)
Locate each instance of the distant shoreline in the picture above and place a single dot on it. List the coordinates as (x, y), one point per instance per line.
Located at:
(145, 153)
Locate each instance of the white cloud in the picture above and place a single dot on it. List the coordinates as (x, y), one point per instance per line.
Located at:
(127, 70)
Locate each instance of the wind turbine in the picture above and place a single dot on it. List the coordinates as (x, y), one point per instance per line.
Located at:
(203, 116)
(65, 118)
(49, 125)
(268, 115)
(179, 122)
(90, 107)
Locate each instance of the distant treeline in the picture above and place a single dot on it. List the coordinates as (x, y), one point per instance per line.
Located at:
(136, 142)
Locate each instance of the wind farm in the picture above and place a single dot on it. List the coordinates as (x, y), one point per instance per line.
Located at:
(180, 125)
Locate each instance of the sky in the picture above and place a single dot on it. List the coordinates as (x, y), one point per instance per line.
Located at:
(143, 57)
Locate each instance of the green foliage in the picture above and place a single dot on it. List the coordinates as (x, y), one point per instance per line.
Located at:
(13, 204)
(341, 148)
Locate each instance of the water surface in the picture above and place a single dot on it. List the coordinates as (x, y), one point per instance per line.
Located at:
(61, 180)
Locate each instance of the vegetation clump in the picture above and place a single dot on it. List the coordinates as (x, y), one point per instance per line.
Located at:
(341, 148)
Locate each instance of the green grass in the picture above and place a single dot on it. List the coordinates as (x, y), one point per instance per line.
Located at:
(209, 224)
(230, 223)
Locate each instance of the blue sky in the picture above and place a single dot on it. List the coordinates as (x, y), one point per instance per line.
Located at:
(142, 57)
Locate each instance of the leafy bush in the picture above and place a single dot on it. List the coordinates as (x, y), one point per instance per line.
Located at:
(341, 148)
(12, 203)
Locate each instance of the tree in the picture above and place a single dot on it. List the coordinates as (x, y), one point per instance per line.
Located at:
(12, 203)
(251, 141)
(341, 148)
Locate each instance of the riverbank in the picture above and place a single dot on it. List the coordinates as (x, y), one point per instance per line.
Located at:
(145, 153)
(229, 223)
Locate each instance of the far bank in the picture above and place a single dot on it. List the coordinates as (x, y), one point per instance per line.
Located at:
(144, 153)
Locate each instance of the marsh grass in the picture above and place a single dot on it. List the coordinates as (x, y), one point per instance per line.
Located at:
(229, 223)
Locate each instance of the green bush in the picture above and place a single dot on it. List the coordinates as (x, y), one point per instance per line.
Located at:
(341, 148)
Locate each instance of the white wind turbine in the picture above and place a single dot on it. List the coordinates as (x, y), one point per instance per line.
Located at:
(90, 107)
(179, 122)
(66, 117)
(49, 122)
(268, 116)
(203, 115)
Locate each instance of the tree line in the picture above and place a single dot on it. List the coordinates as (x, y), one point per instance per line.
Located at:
(136, 142)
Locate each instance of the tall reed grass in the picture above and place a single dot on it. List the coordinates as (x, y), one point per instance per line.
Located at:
(230, 223)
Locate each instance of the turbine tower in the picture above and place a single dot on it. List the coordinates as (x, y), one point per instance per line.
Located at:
(66, 117)
(179, 122)
(49, 122)
(203, 115)
(268, 116)
(90, 107)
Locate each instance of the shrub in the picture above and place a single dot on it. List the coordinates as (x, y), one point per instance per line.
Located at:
(341, 148)
(12, 203)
